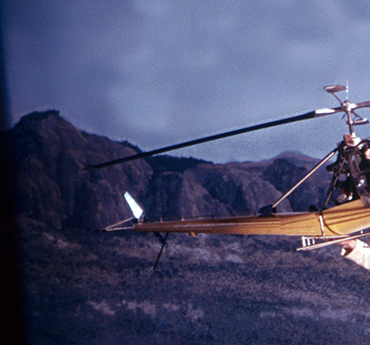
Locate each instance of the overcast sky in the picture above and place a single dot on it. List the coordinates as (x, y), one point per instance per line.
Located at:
(159, 72)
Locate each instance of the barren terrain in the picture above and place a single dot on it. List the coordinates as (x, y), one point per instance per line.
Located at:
(100, 288)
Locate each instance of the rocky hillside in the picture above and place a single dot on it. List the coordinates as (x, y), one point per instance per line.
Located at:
(54, 187)
(88, 287)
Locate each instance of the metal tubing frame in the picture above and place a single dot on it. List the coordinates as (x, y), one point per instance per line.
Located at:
(312, 171)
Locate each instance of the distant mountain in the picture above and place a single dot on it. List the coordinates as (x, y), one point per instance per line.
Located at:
(54, 188)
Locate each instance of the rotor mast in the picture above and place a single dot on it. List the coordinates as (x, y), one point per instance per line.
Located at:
(348, 107)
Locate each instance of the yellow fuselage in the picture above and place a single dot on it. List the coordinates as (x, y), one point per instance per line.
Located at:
(337, 221)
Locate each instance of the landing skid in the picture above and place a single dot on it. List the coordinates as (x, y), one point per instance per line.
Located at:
(309, 243)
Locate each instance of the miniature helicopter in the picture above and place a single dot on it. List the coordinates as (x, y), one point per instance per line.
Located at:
(349, 219)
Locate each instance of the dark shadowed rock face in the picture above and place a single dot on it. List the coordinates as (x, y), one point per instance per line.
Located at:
(55, 188)
(53, 185)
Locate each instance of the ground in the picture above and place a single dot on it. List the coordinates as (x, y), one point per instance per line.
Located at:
(88, 287)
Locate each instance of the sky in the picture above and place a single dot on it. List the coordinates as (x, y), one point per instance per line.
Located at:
(161, 72)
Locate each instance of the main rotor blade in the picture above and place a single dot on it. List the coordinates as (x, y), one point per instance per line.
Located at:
(362, 105)
(310, 115)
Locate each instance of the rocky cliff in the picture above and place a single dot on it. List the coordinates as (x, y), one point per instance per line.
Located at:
(53, 185)
(55, 188)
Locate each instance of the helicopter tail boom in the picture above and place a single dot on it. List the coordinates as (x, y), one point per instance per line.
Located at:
(341, 220)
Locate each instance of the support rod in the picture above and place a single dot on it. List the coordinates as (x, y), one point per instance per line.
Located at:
(313, 170)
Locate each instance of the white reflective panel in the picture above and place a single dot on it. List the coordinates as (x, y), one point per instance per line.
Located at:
(135, 208)
(325, 111)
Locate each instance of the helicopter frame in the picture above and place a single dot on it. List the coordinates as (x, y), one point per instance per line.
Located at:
(347, 220)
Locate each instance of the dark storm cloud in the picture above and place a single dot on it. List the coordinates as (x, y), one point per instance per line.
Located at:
(160, 72)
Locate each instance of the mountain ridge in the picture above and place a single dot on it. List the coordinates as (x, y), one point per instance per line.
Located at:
(54, 187)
